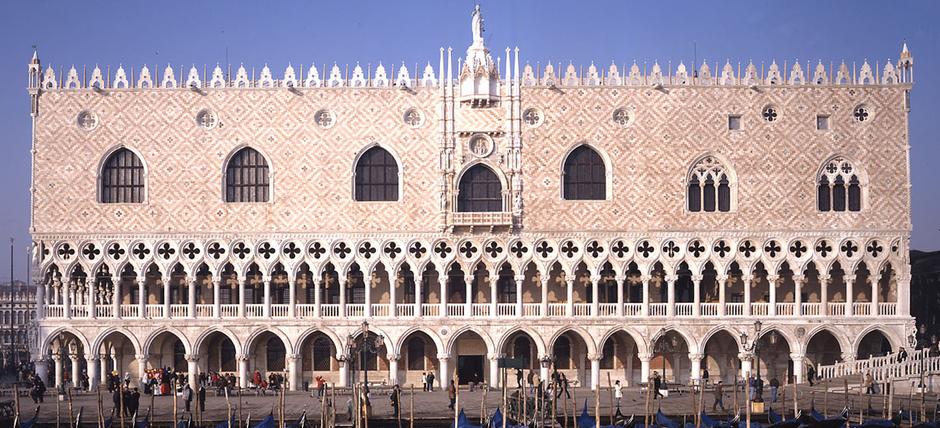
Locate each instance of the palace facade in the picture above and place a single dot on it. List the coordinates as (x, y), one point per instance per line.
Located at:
(596, 220)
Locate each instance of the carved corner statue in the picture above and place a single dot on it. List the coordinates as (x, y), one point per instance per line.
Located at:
(476, 19)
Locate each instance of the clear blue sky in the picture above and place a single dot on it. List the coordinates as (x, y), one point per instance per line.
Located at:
(273, 32)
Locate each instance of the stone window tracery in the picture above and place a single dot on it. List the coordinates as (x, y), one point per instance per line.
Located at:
(861, 113)
(769, 114)
(376, 176)
(585, 175)
(324, 118)
(622, 117)
(413, 118)
(709, 187)
(206, 119)
(122, 178)
(246, 177)
(87, 120)
(532, 117)
(838, 187)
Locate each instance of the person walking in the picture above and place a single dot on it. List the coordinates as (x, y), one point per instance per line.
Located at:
(719, 392)
(618, 392)
(564, 386)
(424, 381)
(519, 378)
(187, 396)
(811, 375)
(394, 399)
(705, 376)
(774, 387)
(116, 399)
(657, 386)
(452, 395)
(431, 381)
(869, 384)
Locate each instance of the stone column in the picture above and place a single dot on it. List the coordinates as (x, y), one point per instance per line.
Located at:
(494, 380)
(192, 371)
(797, 367)
(520, 280)
(569, 303)
(114, 361)
(543, 304)
(392, 369)
(167, 279)
(620, 283)
(645, 367)
(91, 289)
(75, 369)
(193, 284)
(824, 295)
(57, 359)
(393, 297)
(444, 374)
(443, 307)
(103, 372)
(671, 295)
(595, 371)
(342, 297)
(266, 309)
(242, 371)
(91, 364)
(242, 285)
(316, 298)
(494, 296)
(595, 295)
(67, 299)
(368, 299)
(748, 281)
(468, 294)
(293, 380)
(115, 299)
(798, 294)
(216, 297)
(696, 360)
(849, 281)
(745, 363)
(141, 296)
(722, 281)
(696, 295)
(141, 369)
(645, 310)
(291, 297)
(419, 297)
(772, 283)
(873, 278)
(343, 371)
(904, 292)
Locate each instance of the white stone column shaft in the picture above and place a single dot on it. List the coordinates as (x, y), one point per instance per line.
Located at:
(543, 304)
(193, 284)
(824, 295)
(595, 372)
(873, 278)
(520, 280)
(115, 298)
(696, 371)
(849, 281)
(444, 285)
(75, 369)
(342, 297)
(167, 279)
(192, 372)
(645, 367)
(646, 296)
(59, 369)
(419, 294)
(393, 297)
(569, 303)
(344, 373)
(747, 280)
(266, 309)
(444, 374)
(141, 369)
(620, 284)
(393, 370)
(243, 371)
(316, 298)
(468, 295)
(671, 295)
(103, 370)
(216, 297)
(242, 285)
(494, 380)
(722, 282)
(291, 297)
(772, 283)
(293, 380)
(91, 289)
(66, 299)
(368, 298)
(42, 369)
(696, 295)
(595, 295)
(798, 295)
(141, 296)
(91, 364)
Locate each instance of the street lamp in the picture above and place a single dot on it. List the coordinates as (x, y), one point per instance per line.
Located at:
(755, 348)
(365, 345)
(664, 347)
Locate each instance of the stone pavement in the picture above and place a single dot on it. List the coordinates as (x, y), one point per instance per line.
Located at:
(429, 406)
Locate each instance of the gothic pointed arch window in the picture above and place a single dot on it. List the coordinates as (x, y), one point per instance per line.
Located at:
(838, 187)
(247, 177)
(584, 175)
(709, 186)
(480, 191)
(376, 176)
(122, 178)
